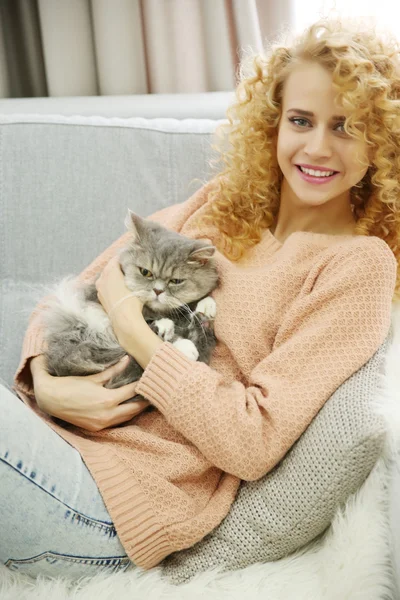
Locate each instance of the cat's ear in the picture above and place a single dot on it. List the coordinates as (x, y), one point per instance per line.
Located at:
(201, 256)
(134, 224)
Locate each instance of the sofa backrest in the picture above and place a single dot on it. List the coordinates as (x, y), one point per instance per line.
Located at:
(66, 184)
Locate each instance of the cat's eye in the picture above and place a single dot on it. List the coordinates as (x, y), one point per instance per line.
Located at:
(176, 281)
(146, 273)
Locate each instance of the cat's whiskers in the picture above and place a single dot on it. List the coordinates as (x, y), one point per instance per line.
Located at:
(185, 311)
(193, 315)
(181, 310)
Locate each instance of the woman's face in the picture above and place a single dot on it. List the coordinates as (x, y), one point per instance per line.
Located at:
(311, 137)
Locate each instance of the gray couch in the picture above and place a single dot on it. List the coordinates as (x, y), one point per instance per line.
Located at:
(66, 184)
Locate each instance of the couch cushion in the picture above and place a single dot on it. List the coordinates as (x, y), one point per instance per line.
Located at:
(67, 184)
(17, 300)
(297, 500)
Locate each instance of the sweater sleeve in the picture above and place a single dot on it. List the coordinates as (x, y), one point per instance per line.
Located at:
(331, 329)
(172, 217)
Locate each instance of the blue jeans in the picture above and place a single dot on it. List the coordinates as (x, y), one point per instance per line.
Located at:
(53, 520)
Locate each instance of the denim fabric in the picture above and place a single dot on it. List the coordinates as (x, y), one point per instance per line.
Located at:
(53, 520)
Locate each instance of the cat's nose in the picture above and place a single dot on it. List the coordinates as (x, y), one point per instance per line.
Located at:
(157, 291)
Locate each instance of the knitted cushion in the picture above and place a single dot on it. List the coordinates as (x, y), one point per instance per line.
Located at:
(297, 500)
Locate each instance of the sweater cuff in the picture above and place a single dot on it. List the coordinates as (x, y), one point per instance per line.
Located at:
(162, 376)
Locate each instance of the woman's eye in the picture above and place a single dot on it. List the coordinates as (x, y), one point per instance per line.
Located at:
(299, 121)
(340, 127)
(146, 273)
(303, 123)
(176, 281)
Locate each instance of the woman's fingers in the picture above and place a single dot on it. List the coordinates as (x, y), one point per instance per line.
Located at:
(110, 372)
(121, 406)
(129, 410)
(125, 393)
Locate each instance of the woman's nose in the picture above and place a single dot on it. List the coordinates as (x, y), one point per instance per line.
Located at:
(318, 144)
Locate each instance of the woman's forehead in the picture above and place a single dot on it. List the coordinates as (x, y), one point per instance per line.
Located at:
(309, 87)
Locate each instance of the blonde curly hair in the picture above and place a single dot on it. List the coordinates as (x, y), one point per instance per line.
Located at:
(366, 74)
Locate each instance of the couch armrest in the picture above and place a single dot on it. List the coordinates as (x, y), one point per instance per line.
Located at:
(209, 105)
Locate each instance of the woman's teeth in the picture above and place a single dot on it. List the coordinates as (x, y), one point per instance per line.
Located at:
(316, 173)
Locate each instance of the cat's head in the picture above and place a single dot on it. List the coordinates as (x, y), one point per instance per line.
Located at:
(164, 268)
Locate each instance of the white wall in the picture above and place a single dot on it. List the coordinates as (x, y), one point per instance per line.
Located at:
(386, 13)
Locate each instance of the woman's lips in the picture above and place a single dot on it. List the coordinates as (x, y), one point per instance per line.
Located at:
(315, 180)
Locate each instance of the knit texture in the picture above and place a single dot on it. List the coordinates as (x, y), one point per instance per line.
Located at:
(294, 321)
(295, 502)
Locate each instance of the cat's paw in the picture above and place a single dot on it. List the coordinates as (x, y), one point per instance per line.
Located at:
(165, 329)
(207, 307)
(187, 348)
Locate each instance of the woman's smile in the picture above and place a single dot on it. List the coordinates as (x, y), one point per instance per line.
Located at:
(316, 175)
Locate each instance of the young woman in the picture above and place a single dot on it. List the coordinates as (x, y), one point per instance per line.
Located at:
(305, 216)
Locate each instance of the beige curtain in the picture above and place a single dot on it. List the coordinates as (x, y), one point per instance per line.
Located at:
(117, 47)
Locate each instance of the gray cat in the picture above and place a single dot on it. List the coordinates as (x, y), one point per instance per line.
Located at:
(170, 273)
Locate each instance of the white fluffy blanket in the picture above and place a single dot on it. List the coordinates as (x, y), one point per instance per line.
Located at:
(351, 561)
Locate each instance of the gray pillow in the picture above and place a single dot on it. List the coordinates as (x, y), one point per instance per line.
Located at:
(297, 500)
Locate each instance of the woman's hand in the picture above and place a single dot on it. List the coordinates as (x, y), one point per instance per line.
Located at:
(83, 401)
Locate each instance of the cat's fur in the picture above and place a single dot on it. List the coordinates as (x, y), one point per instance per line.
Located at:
(78, 332)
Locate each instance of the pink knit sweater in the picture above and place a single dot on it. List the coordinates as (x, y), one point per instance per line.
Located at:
(294, 321)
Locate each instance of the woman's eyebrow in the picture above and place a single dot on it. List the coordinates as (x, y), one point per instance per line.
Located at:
(307, 113)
